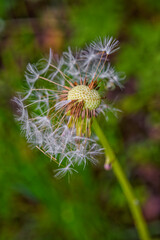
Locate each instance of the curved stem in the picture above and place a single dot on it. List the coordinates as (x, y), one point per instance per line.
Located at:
(125, 185)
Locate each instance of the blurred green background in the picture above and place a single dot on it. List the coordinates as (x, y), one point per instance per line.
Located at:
(91, 205)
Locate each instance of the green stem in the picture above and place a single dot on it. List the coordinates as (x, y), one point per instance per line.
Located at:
(125, 185)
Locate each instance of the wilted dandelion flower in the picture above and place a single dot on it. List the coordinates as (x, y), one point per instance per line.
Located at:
(62, 97)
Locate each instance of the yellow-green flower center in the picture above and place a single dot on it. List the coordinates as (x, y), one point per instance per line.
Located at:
(90, 97)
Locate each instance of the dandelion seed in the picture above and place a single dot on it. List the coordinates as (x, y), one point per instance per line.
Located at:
(61, 101)
(63, 171)
(107, 45)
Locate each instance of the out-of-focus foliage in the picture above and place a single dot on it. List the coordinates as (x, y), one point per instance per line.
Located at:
(92, 20)
(90, 205)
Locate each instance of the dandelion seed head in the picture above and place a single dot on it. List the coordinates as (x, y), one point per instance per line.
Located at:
(62, 98)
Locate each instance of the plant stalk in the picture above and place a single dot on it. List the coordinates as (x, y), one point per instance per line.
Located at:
(125, 185)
